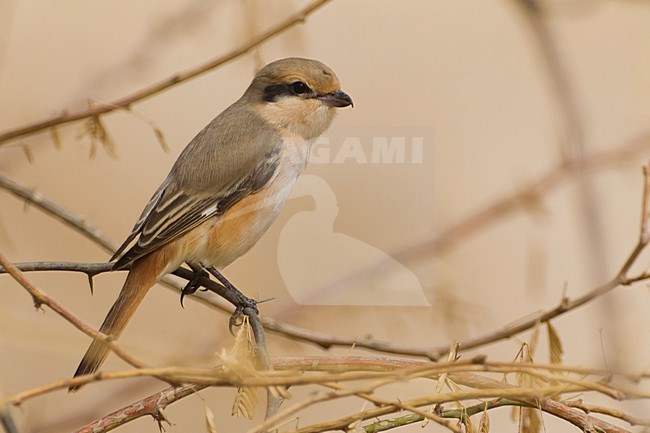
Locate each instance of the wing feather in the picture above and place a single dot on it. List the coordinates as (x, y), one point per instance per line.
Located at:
(176, 213)
(222, 165)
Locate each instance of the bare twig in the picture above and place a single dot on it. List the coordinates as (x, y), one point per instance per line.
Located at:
(41, 298)
(7, 421)
(590, 408)
(297, 333)
(273, 402)
(577, 418)
(347, 370)
(425, 414)
(409, 368)
(125, 102)
(76, 222)
(621, 279)
(152, 405)
(500, 209)
(326, 340)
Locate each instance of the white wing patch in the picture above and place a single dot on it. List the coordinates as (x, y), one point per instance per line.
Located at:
(211, 210)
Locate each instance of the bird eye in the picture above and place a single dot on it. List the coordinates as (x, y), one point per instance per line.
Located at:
(299, 87)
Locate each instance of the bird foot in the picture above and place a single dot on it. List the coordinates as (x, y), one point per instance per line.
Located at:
(194, 283)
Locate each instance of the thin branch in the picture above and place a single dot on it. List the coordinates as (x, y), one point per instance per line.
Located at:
(589, 408)
(7, 421)
(321, 339)
(460, 414)
(576, 417)
(74, 221)
(223, 377)
(433, 353)
(152, 405)
(403, 406)
(327, 340)
(348, 364)
(125, 102)
(41, 298)
(621, 279)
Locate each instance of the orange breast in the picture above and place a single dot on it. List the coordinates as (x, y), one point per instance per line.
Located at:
(221, 240)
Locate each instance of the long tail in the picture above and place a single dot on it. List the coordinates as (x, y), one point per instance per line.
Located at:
(142, 276)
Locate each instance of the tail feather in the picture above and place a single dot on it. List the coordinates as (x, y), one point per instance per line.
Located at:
(142, 276)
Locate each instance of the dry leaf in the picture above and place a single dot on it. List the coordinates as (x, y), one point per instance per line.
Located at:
(530, 421)
(245, 402)
(28, 153)
(555, 344)
(467, 422)
(514, 411)
(156, 130)
(532, 346)
(484, 424)
(209, 421)
(443, 380)
(161, 138)
(242, 357)
(54, 133)
(101, 133)
(522, 378)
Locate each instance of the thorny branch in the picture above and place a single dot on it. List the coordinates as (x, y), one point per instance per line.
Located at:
(576, 418)
(127, 101)
(387, 370)
(153, 405)
(326, 340)
(76, 222)
(41, 298)
(500, 209)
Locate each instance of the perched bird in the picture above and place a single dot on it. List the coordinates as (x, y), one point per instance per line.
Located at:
(227, 186)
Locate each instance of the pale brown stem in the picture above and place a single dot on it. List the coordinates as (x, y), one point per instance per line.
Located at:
(127, 101)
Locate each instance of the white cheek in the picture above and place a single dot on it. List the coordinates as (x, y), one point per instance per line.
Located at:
(323, 118)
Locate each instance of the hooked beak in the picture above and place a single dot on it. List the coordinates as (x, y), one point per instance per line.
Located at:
(337, 99)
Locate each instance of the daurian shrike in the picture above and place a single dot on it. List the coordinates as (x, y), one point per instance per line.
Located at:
(227, 186)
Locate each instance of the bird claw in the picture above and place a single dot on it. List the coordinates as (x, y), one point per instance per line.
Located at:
(193, 284)
(237, 316)
(243, 304)
(187, 290)
(235, 320)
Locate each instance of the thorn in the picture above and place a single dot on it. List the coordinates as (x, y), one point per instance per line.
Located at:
(37, 304)
(91, 284)
(266, 300)
(160, 417)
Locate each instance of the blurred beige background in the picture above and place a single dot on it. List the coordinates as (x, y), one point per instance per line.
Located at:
(468, 73)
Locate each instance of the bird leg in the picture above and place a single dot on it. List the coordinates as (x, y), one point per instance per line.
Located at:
(237, 298)
(194, 283)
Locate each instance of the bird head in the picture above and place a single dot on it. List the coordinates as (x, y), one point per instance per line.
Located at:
(297, 94)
